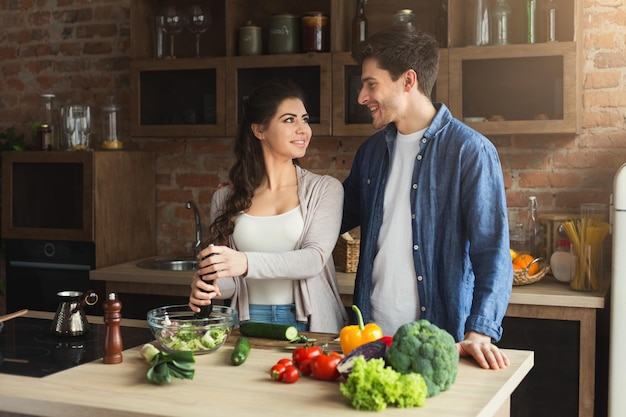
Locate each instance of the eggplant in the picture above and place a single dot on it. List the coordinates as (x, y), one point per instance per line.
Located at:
(371, 350)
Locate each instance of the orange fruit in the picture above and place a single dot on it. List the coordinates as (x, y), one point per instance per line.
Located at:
(522, 261)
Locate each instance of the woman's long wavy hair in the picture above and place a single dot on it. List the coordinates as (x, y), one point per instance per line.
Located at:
(248, 171)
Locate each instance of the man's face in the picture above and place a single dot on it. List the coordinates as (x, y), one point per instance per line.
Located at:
(384, 97)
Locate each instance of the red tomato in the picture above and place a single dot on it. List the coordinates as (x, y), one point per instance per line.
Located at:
(325, 366)
(285, 361)
(290, 375)
(305, 367)
(277, 372)
(303, 353)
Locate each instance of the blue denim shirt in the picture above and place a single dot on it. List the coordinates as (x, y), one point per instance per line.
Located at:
(460, 226)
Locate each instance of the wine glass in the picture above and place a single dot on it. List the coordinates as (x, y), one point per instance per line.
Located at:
(86, 126)
(199, 22)
(68, 125)
(173, 23)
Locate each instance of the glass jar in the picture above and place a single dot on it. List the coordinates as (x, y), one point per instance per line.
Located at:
(110, 136)
(48, 135)
(477, 24)
(501, 16)
(404, 16)
(315, 32)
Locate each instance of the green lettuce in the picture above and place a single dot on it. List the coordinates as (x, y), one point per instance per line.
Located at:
(372, 386)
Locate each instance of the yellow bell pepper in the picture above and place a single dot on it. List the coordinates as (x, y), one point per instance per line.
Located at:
(354, 336)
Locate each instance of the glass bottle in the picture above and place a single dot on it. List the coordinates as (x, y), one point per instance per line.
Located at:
(48, 129)
(359, 24)
(442, 24)
(501, 16)
(531, 21)
(477, 25)
(548, 20)
(532, 228)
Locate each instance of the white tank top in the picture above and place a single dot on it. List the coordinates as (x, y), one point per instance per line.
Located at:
(269, 234)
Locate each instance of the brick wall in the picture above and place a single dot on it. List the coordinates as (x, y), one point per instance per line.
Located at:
(79, 49)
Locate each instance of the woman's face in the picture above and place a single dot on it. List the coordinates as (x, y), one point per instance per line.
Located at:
(288, 134)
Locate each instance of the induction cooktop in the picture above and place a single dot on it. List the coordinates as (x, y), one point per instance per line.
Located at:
(29, 348)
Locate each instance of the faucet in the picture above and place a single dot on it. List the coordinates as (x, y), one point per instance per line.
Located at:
(197, 246)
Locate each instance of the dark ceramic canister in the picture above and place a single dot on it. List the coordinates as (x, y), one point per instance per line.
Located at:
(250, 39)
(284, 34)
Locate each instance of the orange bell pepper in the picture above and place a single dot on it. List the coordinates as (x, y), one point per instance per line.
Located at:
(354, 336)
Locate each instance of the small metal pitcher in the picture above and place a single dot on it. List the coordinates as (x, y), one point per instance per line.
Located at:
(70, 318)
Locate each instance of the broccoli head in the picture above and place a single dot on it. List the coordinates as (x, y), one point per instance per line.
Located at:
(422, 347)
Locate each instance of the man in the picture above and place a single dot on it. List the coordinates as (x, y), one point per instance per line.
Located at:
(428, 194)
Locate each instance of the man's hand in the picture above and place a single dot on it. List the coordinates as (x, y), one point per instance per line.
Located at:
(486, 354)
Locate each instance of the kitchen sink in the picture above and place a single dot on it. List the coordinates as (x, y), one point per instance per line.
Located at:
(169, 263)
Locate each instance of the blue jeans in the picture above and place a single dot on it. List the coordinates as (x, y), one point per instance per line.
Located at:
(278, 314)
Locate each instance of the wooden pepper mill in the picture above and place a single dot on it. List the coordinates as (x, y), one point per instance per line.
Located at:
(113, 336)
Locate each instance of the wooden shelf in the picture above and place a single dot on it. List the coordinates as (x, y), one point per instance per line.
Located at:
(528, 83)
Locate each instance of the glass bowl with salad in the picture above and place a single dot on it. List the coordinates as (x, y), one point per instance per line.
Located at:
(177, 328)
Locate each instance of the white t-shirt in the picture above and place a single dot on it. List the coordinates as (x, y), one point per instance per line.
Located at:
(394, 283)
(269, 234)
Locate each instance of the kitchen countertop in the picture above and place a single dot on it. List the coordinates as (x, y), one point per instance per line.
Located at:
(222, 389)
(546, 292)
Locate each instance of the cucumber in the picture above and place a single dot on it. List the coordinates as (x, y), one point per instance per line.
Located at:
(241, 351)
(268, 330)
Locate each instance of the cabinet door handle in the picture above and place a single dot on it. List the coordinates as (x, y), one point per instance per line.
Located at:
(48, 265)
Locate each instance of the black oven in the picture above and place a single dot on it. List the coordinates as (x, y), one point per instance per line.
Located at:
(36, 270)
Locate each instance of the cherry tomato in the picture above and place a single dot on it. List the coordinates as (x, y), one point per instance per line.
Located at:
(290, 375)
(277, 372)
(324, 366)
(285, 361)
(303, 353)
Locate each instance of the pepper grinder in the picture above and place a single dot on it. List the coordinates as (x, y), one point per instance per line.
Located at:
(113, 336)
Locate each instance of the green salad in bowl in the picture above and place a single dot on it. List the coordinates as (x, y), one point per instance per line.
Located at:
(177, 329)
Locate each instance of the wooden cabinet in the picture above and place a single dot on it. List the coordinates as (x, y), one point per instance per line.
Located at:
(513, 89)
(518, 88)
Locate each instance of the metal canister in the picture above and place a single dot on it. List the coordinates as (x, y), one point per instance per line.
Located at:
(250, 39)
(44, 136)
(284, 34)
(315, 32)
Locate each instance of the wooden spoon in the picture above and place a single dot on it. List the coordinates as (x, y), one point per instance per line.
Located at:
(10, 316)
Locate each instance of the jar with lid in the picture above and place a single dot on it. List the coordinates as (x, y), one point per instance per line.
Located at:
(284, 34)
(315, 32)
(562, 262)
(110, 138)
(404, 16)
(501, 15)
(250, 39)
(48, 129)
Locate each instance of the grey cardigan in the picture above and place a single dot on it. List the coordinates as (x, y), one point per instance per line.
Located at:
(316, 292)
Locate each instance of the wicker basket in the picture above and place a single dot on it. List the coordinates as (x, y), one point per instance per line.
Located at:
(521, 277)
(346, 253)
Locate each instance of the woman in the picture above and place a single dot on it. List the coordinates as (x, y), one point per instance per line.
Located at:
(274, 228)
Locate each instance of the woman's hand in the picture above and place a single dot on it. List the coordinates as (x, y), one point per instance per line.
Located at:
(486, 354)
(202, 292)
(221, 261)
